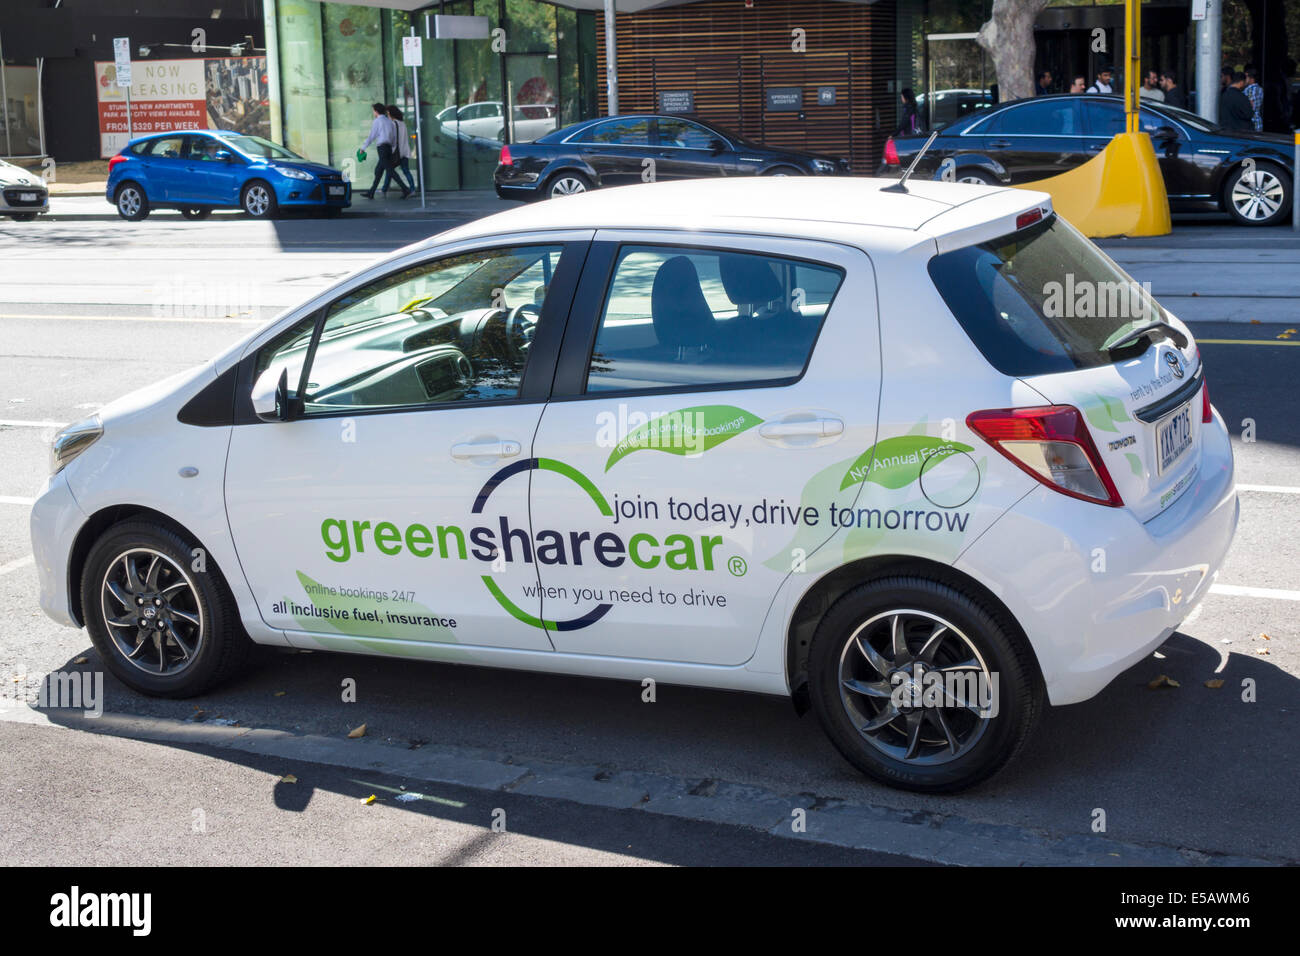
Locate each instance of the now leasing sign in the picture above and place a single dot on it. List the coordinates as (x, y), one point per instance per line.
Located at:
(165, 95)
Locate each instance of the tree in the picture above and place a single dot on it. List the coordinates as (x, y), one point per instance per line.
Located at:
(1009, 37)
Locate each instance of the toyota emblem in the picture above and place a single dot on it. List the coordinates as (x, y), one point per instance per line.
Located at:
(1175, 366)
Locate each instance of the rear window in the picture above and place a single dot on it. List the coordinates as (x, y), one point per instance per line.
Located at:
(1041, 300)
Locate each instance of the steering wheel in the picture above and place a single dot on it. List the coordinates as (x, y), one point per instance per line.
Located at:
(521, 323)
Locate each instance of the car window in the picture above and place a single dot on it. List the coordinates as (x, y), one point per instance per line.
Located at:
(618, 133)
(683, 316)
(1041, 300)
(167, 147)
(455, 330)
(203, 149)
(676, 132)
(259, 147)
(1104, 117)
(1044, 118)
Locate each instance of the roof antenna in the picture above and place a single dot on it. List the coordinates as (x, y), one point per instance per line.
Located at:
(901, 185)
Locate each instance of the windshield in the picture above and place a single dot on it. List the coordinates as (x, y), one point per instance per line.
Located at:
(1187, 118)
(261, 148)
(1042, 300)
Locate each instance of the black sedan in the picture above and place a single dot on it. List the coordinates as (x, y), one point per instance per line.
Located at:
(1206, 168)
(616, 150)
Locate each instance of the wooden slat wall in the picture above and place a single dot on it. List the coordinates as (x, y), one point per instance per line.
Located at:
(727, 54)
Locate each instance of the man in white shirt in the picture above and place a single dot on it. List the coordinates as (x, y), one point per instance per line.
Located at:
(1151, 87)
(1102, 84)
(383, 133)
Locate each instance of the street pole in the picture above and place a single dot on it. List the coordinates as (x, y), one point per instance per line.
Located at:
(1133, 63)
(1209, 60)
(129, 134)
(419, 145)
(611, 60)
(1295, 193)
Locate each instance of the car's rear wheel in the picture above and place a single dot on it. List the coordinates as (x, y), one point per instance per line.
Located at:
(159, 612)
(783, 171)
(920, 686)
(132, 203)
(567, 184)
(196, 212)
(1258, 195)
(258, 200)
(23, 216)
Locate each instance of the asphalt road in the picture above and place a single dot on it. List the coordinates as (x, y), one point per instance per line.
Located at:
(92, 307)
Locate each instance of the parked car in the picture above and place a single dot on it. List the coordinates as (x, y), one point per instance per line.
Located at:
(615, 151)
(23, 195)
(1206, 168)
(197, 171)
(837, 456)
(951, 105)
(486, 120)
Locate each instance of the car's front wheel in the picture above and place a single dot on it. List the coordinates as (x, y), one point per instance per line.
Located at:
(1258, 194)
(258, 200)
(159, 612)
(132, 203)
(23, 216)
(920, 686)
(567, 184)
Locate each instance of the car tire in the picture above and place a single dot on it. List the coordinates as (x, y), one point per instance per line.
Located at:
(131, 201)
(567, 184)
(976, 177)
(1262, 199)
(258, 199)
(147, 569)
(23, 216)
(928, 749)
(783, 171)
(195, 212)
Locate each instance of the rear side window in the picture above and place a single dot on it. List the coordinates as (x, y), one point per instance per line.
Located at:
(686, 317)
(1041, 300)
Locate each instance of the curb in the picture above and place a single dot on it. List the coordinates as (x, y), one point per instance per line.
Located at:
(921, 835)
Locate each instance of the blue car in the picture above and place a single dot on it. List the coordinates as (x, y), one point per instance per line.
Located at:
(197, 171)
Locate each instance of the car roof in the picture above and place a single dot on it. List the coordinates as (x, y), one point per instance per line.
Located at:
(954, 214)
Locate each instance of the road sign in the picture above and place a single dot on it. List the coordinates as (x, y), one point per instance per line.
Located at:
(412, 51)
(122, 60)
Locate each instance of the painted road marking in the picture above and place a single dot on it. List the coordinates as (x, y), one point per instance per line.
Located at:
(1271, 489)
(13, 500)
(1236, 590)
(15, 565)
(23, 423)
(152, 318)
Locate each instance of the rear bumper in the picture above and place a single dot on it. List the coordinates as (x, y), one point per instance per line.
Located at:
(523, 192)
(56, 519)
(1096, 590)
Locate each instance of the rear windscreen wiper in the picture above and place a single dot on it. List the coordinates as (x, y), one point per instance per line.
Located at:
(1144, 331)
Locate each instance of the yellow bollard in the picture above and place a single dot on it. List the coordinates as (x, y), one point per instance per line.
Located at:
(1119, 192)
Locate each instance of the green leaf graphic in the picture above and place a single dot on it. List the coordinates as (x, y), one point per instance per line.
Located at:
(1103, 413)
(898, 460)
(1134, 462)
(688, 431)
(380, 628)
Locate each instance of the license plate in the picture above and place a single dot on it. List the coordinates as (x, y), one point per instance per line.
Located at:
(338, 190)
(1174, 437)
(27, 197)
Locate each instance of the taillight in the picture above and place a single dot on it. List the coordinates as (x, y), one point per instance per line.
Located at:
(1050, 443)
(506, 160)
(891, 152)
(1207, 411)
(119, 158)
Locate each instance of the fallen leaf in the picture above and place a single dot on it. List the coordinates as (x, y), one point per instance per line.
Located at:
(290, 778)
(1265, 636)
(1261, 650)
(370, 799)
(357, 732)
(1214, 684)
(1164, 680)
(79, 660)
(279, 693)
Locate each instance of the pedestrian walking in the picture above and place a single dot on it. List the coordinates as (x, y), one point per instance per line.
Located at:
(1234, 108)
(1102, 83)
(1255, 93)
(383, 133)
(1174, 95)
(402, 158)
(909, 121)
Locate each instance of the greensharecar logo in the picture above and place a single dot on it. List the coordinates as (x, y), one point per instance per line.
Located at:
(688, 431)
(896, 462)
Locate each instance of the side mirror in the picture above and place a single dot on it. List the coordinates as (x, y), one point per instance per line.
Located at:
(1165, 133)
(271, 399)
(716, 146)
(224, 156)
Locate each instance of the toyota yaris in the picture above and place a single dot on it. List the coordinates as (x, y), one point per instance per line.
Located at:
(924, 461)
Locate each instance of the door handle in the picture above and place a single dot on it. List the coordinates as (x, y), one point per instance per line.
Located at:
(1094, 147)
(484, 449)
(999, 143)
(816, 428)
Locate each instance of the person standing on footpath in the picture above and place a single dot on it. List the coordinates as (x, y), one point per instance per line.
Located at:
(383, 133)
(402, 158)
(1174, 95)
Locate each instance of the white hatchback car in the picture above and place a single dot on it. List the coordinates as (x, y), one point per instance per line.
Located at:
(870, 449)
